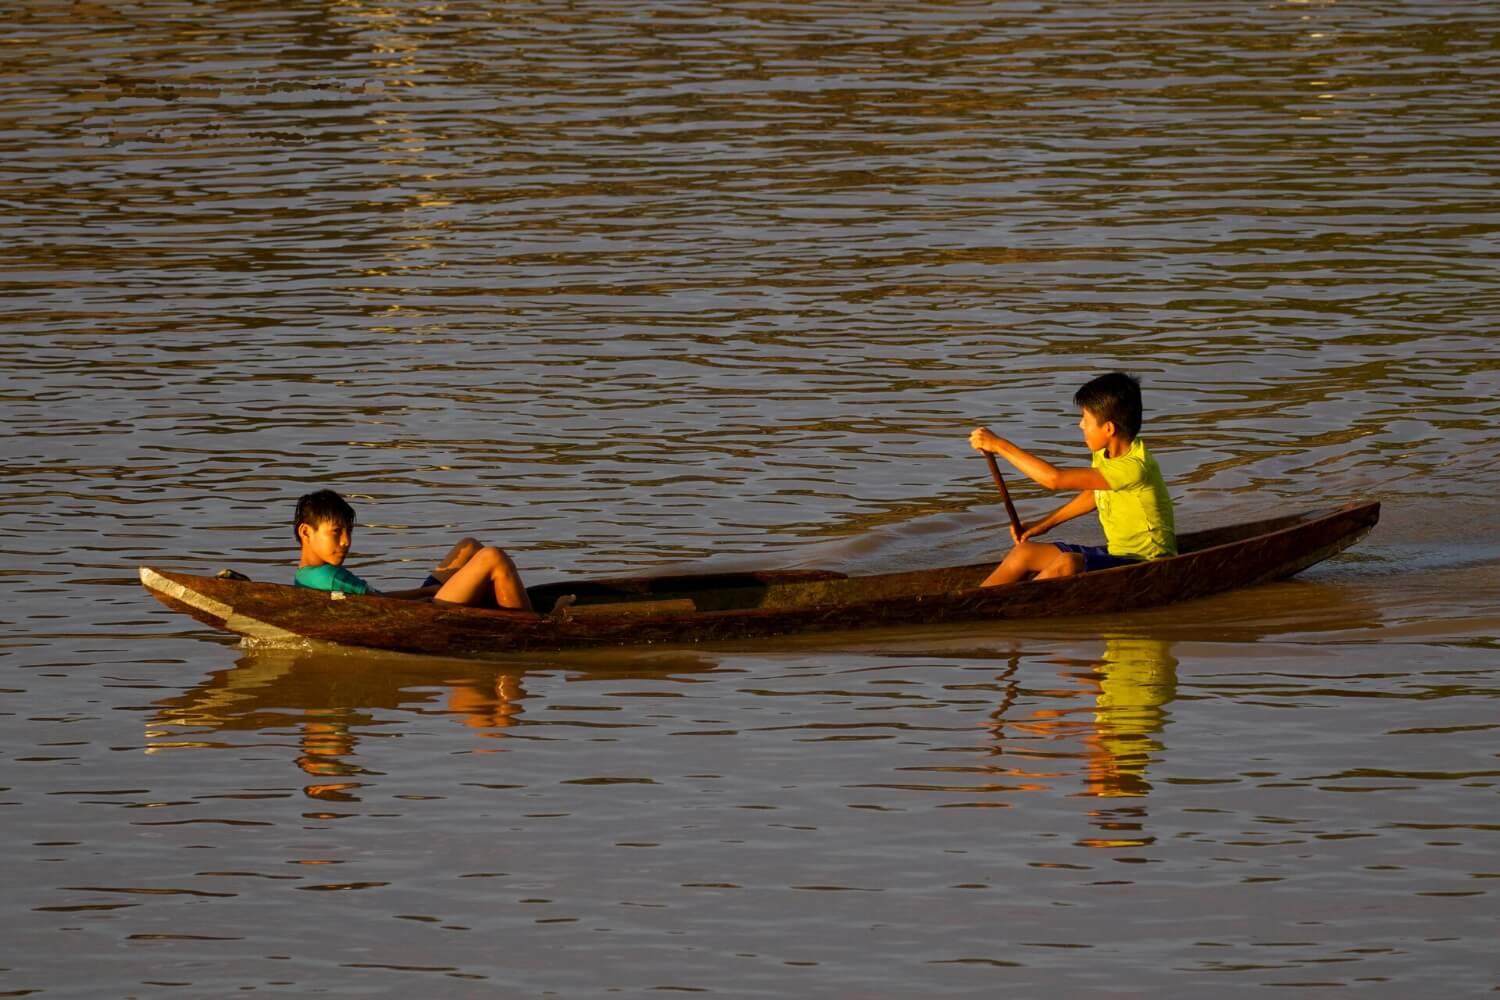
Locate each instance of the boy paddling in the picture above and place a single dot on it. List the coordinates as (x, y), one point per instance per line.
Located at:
(470, 573)
(1123, 483)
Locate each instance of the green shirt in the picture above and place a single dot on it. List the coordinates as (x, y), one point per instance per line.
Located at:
(1136, 511)
(331, 577)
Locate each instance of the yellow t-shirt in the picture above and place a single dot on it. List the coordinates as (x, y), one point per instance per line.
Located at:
(1136, 511)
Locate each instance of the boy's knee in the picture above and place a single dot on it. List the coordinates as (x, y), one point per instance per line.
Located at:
(1039, 555)
(492, 558)
(1062, 564)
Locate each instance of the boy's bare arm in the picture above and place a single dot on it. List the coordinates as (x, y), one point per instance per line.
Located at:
(1079, 505)
(1038, 470)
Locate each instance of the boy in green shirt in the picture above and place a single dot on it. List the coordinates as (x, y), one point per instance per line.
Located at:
(1123, 483)
(470, 573)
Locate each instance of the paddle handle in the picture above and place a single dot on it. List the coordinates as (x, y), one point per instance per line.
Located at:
(1010, 508)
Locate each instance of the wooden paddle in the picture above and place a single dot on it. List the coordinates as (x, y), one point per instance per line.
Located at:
(1010, 508)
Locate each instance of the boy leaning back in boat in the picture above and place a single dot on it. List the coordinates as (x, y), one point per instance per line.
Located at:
(470, 573)
(1123, 484)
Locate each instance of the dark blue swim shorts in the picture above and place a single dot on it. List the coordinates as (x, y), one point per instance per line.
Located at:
(1097, 556)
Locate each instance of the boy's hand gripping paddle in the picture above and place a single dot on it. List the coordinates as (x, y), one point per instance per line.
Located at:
(1010, 508)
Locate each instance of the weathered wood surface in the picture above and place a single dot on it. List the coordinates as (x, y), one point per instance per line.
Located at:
(719, 606)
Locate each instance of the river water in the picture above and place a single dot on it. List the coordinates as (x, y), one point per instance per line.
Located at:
(628, 287)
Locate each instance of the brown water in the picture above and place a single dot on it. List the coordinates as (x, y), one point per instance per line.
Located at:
(624, 287)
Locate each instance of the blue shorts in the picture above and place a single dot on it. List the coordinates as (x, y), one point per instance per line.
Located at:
(1097, 556)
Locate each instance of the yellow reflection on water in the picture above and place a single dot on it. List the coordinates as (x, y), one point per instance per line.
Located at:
(1114, 709)
(1134, 680)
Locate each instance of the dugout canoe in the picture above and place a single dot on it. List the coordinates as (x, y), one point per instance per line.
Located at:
(706, 607)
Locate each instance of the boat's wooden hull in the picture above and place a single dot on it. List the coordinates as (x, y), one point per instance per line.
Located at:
(718, 606)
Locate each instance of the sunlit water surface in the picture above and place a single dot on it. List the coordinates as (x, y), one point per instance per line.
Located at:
(629, 287)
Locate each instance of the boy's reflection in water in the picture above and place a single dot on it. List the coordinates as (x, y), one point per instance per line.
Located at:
(327, 740)
(486, 707)
(1123, 708)
(333, 703)
(328, 735)
(1134, 680)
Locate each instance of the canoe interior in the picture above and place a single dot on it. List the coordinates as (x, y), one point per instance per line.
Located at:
(778, 590)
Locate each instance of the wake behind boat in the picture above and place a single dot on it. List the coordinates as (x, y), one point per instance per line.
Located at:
(705, 607)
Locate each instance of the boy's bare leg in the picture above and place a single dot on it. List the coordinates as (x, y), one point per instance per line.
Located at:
(462, 551)
(487, 575)
(1034, 557)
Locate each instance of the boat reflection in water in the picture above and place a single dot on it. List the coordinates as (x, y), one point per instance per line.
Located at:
(332, 699)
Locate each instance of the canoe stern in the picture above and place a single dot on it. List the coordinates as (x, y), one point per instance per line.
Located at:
(211, 611)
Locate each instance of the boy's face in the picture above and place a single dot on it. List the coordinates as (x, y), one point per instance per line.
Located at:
(1095, 434)
(325, 542)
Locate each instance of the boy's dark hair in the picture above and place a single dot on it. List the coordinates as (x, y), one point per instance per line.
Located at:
(1114, 397)
(324, 505)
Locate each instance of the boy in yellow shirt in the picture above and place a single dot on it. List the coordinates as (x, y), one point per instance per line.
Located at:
(1123, 483)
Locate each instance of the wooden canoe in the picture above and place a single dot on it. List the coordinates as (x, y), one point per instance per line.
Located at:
(689, 608)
